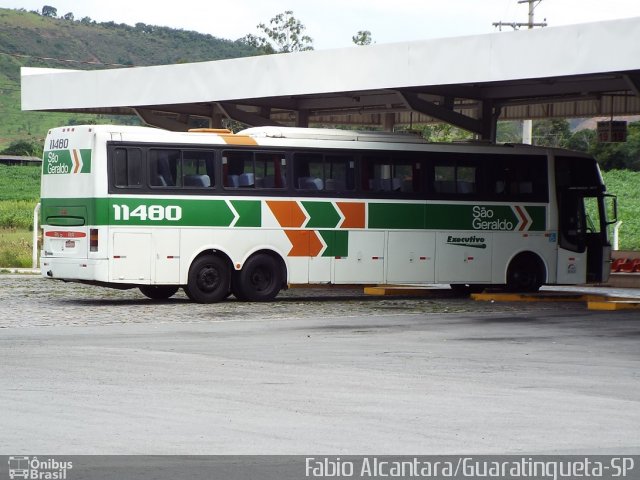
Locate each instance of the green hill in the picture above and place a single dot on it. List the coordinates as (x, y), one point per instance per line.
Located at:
(29, 39)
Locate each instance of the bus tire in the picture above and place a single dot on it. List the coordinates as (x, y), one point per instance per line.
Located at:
(259, 280)
(208, 280)
(235, 286)
(158, 292)
(526, 273)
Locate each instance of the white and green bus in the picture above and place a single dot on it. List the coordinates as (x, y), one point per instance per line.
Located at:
(248, 214)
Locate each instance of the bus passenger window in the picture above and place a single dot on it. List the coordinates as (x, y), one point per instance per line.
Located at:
(444, 179)
(308, 171)
(458, 179)
(164, 168)
(404, 177)
(339, 173)
(197, 169)
(234, 165)
(270, 170)
(384, 174)
(466, 179)
(330, 173)
(127, 167)
(243, 169)
(517, 178)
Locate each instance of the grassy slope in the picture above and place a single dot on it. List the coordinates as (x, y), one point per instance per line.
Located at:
(27, 33)
(19, 193)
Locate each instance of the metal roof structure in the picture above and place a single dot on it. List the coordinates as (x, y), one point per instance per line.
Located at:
(471, 82)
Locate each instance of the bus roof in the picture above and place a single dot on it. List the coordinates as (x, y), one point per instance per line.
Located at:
(307, 137)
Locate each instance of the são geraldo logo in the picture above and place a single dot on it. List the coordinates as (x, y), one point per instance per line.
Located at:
(38, 469)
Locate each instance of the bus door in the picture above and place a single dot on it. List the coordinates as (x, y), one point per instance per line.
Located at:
(585, 251)
(598, 210)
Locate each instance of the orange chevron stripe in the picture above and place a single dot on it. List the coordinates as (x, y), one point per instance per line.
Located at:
(523, 217)
(304, 243)
(76, 161)
(354, 214)
(287, 212)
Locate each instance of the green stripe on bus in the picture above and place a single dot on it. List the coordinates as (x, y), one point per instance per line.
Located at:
(249, 211)
(432, 216)
(321, 214)
(400, 216)
(337, 243)
(538, 217)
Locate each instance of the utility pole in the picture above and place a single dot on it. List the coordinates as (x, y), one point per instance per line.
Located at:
(530, 24)
(527, 125)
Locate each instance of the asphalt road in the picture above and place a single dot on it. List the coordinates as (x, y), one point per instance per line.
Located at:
(91, 371)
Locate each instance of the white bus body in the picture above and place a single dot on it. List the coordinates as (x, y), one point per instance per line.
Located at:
(248, 214)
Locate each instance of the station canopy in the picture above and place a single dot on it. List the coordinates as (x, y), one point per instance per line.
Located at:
(584, 70)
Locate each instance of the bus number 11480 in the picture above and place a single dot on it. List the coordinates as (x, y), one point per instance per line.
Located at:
(152, 213)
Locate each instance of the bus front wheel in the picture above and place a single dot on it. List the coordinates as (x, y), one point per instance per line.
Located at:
(208, 280)
(525, 273)
(259, 280)
(158, 292)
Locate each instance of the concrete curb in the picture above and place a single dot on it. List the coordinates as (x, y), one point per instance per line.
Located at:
(21, 271)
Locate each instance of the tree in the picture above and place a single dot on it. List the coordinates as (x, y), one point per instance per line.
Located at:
(68, 16)
(259, 43)
(49, 11)
(509, 132)
(284, 34)
(582, 140)
(24, 148)
(551, 133)
(441, 132)
(363, 37)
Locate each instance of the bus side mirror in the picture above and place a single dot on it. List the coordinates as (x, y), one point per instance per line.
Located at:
(611, 208)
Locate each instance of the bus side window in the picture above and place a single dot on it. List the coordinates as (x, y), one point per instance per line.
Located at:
(234, 166)
(164, 168)
(398, 173)
(444, 179)
(455, 179)
(517, 178)
(339, 173)
(127, 167)
(466, 180)
(197, 169)
(308, 171)
(270, 170)
(377, 174)
(246, 169)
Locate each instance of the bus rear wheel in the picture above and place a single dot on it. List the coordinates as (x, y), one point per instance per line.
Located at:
(259, 280)
(208, 280)
(525, 273)
(158, 292)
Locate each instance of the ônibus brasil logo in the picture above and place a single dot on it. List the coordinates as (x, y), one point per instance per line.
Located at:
(34, 468)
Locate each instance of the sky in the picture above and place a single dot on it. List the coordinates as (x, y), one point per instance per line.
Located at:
(332, 23)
